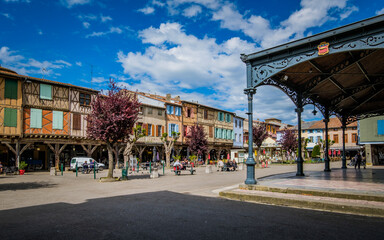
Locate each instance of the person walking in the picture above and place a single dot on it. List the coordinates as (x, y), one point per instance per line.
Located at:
(358, 160)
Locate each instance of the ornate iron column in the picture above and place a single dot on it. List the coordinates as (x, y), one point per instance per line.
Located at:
(299, 159)
(344, 159)
(326, 157)
(250, 161)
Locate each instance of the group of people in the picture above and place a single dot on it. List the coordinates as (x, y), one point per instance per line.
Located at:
(88, 167)
(183, 164)
(229, 166)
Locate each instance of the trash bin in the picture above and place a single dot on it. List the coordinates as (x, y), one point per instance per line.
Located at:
(124, 175)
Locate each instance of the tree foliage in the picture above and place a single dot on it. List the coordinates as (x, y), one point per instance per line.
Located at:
(112, 118)
(259, 134)
(197, 140)
(316, 151)
(288, 140)
(168, 143)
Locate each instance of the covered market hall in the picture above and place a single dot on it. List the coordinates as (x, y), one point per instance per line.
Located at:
(340, 71)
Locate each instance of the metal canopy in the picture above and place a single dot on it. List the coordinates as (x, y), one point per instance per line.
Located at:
(340, 71)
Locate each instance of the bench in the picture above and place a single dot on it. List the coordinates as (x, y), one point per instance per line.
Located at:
(188, 168)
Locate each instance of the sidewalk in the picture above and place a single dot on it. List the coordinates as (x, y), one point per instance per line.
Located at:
(346, 191)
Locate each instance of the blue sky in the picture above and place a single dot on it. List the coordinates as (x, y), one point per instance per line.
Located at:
(189, 48)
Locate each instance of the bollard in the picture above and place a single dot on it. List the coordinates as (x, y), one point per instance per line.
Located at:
(126, 169)
(94, 170)
(163, 168)
(137, 167)
(150, 167)
(62, 169)
(76, 170)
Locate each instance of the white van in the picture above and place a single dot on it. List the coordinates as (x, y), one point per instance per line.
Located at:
(81, 160)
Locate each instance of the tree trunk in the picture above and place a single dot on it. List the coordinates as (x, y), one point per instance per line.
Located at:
(127, 152)
(257, 158)
(110, 159)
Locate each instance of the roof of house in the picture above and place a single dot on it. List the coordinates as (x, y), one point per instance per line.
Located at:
(8, 72)
(217, 109)
(333, 123)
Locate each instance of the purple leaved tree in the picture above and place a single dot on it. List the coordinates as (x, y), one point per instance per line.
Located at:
(289, 141)
(259, 134)
(112, 119)
(197, 140)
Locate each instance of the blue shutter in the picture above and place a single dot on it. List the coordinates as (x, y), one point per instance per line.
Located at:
(36, 118)
(57, 120)
(233, 135)
(380, 127)
(45, 91)
(176, 128)
(169, 130)
(224, 136)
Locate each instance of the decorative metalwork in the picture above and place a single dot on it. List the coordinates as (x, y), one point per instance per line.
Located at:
(291, 93)
(267, 70)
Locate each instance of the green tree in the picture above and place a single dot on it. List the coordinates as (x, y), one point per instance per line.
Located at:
(168, 145)
(316, 151)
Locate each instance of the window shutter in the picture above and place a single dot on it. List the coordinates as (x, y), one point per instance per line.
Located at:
(192, 113)
(76, 121)
(233, 135)
(380, 127)
(157, 130)
(162, 130)
(153, 130)
(177, 128)
(219, 133)
(36, 118)
(45, 91)
(215, 132)
(57, 120)
(169, 130)
(210, 131)
(10, 117)
(10, 90)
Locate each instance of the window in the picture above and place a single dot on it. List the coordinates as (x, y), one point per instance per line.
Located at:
(36, 117)
(76, 121)
(57, 120)
(355, 128)
(141, 110)
(178, 111)
(185, 132)
(141, 127)
(318, 139)
(149, 130)
(336, 138)
(10, 117)
(188, 112)
(224, 134)
(354, 137)
(380, 127)
(169, 109)
(235, 136)
(159, 133)
(45, 91)
(240, 122)
(205, 114)
(236, 123)
(240, 139)
(172, 128)
(219, 133)
(227, 117)
(85, 99)
(149, 110)
(210, 131)
(160, 112)
(10, 90)
(311, 139)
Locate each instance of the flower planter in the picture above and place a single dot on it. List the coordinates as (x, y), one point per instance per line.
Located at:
(21, 172)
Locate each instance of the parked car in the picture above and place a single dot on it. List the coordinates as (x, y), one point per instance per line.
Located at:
(81, 160)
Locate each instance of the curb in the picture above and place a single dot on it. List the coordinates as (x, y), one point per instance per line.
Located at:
(311, 192)
(300, 203)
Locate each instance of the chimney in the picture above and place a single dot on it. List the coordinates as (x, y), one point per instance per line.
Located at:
(168, 97)
(177, 98)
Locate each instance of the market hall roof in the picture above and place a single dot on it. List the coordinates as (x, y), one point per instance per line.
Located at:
(340, 70)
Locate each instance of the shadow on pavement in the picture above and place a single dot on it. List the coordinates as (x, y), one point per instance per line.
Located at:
(24, 186)
(169, 215)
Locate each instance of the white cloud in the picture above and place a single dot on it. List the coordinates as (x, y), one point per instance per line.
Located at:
(147, 10)
(7, 15)
(21, 65)
(79, 64)
(40, 32)
(26, 1)
(71, 3)
(192, 11)
(105, 18)
(379, 12)
(86, 25)
(88, 17)
(111, 30)
(100, 80)
(348, 11)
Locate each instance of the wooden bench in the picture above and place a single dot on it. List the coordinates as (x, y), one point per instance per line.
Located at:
(188, 168)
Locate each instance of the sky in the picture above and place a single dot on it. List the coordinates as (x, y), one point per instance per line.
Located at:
(188, 48)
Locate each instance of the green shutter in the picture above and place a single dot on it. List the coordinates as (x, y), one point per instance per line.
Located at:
(45, 91)
(36, 118)
(233, 135)
(10, 117)
(10, 89)
(57, 120)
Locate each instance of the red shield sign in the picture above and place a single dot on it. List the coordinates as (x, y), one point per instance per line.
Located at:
(323, 48)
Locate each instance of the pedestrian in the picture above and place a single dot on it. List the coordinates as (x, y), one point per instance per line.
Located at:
(358, 160)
